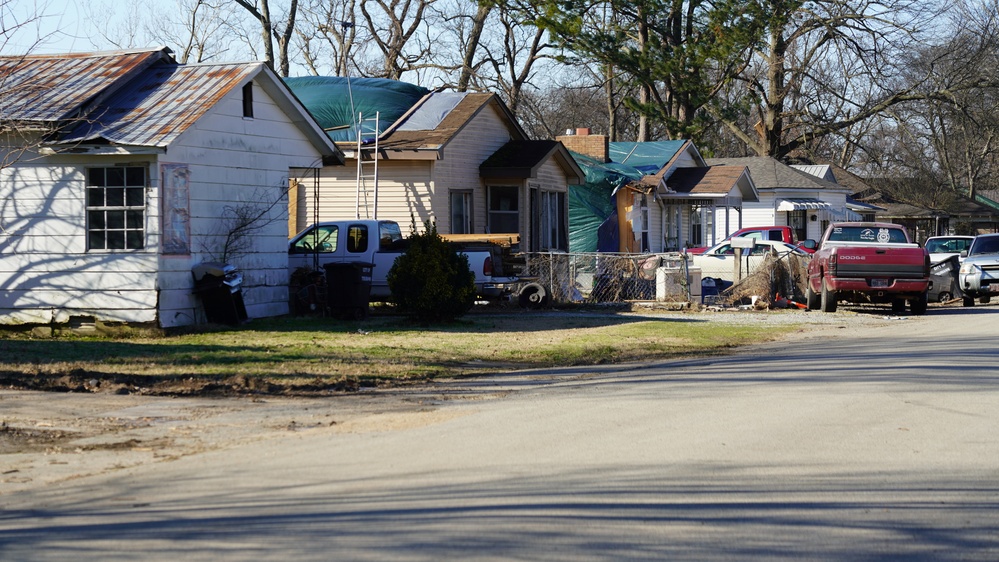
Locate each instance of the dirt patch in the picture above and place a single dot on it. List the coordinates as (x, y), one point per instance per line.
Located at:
(23, 440)
(80, 380)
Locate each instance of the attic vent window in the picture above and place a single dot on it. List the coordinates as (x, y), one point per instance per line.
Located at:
(248, 100)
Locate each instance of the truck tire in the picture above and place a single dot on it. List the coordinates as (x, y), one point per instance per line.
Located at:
(985, 299)
(828, 299)
(897, 306)
(533, 296)
(918, 305)
(969, 301)
(811, 299)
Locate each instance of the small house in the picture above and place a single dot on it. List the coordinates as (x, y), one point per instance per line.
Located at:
(457, 159)
(123, 172)
(642, 197)
(807, 201)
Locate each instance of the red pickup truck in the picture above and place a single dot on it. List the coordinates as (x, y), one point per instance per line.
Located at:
(775, 233)
(868, 262)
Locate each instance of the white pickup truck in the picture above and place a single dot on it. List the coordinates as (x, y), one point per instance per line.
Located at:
(379, 243)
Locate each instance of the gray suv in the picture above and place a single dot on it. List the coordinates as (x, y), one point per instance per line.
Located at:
(979, 275)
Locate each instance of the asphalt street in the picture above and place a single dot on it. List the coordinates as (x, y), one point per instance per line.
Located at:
(872, 442)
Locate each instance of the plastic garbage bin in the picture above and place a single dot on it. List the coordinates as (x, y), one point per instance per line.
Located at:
(220, 287)
(348, 289)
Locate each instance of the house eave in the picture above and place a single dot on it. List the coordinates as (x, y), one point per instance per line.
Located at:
(114, 150)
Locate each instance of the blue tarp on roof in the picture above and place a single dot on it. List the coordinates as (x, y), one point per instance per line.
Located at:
(328, 99)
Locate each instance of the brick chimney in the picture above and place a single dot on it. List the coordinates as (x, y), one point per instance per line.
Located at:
(594, 146)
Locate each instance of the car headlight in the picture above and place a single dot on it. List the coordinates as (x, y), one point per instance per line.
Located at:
(969, 268)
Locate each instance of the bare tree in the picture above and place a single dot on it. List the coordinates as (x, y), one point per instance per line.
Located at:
(195, 28)
(472, 44)
(825, 67)
(950, 139)
(272, 30)
(329, 39)
(400, 30)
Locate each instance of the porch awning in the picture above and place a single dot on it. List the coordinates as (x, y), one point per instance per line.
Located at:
(802, 204)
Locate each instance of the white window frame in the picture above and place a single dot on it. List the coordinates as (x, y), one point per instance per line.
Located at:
(116, 208)
(459, 225)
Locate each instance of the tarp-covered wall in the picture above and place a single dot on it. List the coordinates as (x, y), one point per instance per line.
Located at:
(328, 99)
(592, 212)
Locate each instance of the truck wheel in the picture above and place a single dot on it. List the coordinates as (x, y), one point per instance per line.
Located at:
(918, 305)
(828, 299)
(944, 297)
(984, 300)
(897, 306)
(968, 301)
(533, 296)
(811, 299)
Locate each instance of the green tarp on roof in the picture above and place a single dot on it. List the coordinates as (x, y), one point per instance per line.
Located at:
(648, 157)
(592, 211)
(592, 216)
(328, 99)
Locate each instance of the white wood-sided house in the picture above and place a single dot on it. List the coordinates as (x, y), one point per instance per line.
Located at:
(460, 160)
(660, 196)
(805, 200)
(121, 171)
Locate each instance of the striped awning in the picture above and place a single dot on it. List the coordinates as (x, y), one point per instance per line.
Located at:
(802, 204)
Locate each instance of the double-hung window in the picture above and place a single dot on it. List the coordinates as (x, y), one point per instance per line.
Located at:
(461, 212)
(116, 208)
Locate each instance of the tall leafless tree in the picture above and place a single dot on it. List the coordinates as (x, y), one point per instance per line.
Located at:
(272, 30)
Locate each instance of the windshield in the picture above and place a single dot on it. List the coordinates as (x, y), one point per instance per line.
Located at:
(985, 245)
(947, 245)
(872, 234)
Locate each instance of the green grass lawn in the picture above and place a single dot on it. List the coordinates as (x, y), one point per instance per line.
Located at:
(303, 350)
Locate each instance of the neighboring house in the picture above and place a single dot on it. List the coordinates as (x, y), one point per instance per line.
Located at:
(804, 200)
(458, 159)
(137, 170)
(959, 215)
(648, 196)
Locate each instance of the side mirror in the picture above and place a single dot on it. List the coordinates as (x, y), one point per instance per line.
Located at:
(809, 244)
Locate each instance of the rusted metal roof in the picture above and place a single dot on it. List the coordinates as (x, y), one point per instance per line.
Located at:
(48, 89)
(159, 105)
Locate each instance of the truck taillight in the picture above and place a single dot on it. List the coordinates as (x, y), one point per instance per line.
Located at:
(487, 267)
(832, 264)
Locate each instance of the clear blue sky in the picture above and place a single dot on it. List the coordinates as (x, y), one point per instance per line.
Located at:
(60, 25)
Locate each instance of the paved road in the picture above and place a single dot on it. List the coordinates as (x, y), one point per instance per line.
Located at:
(870, 443)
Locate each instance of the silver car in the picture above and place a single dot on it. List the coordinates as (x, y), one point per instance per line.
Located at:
(979, 275)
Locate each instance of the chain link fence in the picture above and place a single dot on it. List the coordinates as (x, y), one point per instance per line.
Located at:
(607, 277)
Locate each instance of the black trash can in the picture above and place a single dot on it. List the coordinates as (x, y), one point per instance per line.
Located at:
(220, 287)
(944, 284)
(348, 289)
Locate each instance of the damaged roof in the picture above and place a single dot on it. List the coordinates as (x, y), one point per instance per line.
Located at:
(133, 98)
(160, 104)
(438, 117)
